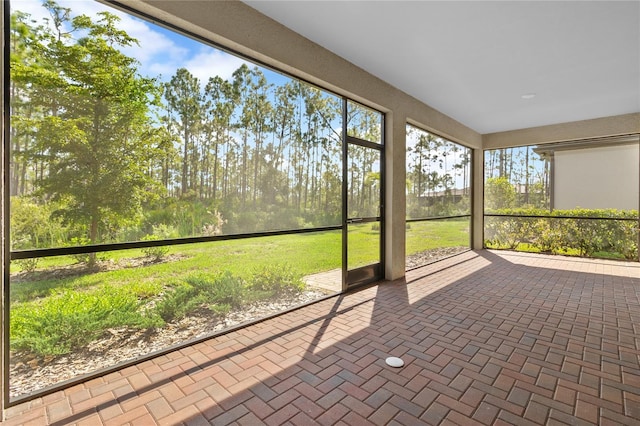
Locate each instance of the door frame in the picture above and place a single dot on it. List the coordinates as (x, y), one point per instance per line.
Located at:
(374, 272)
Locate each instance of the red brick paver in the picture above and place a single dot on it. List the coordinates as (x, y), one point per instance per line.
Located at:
(486, 337)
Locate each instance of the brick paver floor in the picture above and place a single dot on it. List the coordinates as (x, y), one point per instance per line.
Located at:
(486, 337)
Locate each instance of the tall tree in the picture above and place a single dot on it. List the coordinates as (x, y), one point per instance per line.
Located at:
(241, 83)
(32, 97)
(285, 131)
(98, 152)
(185, 101)
(220, 104)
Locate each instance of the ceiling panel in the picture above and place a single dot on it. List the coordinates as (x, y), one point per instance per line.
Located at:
(475, 60)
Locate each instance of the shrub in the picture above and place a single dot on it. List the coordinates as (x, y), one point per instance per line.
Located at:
(80, 241)
(33, 225)
(71, 319)
(218, 294)
(547, 235)
(177, 303)
(557, 234)
(27, 265)
(160, 232)
(623, 239)
(505, 232)
(276, 280)
(156, 253)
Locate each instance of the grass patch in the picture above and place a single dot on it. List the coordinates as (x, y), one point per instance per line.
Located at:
(275, 281)
(217, 294)
(363, 244)
(306, 253)
(433, 234)
(54, 314)
(71, 319)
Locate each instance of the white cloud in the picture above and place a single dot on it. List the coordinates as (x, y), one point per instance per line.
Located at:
(210, 62)
(152, 43)
(159, 52)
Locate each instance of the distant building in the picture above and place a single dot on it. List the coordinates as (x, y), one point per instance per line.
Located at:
(454, 195)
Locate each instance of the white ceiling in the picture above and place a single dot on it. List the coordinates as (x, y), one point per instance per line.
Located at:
(474, 60)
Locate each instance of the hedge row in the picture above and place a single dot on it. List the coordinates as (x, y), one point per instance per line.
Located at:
(553, 233)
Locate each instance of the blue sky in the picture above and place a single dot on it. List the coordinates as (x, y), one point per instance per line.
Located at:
(452, 158)
(161, 52)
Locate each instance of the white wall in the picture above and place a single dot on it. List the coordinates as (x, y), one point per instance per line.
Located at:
(597, 178)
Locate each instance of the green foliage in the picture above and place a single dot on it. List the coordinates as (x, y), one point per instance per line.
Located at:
(170, 288)
(585, 237)
(118, 153)
(27, 265)
(160, 232)
(177, 302)
(69, 320)
(89, 259)
(185, 217)
(157, 253)
(499, 193)
(221, 292)
(547, 235)
(217, 293)
(33, 226)
(276, 280)
(79, 241)
(94, 135)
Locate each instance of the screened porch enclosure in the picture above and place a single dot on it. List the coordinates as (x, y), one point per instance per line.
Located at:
(150, 210)
(575, 198)
(212, 224)
(439, 186)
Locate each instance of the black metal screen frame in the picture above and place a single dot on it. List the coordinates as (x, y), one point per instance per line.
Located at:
(6, 246)
(8, 254)
(370, 273)
(471, 195)
(98, 248)
(426, 219)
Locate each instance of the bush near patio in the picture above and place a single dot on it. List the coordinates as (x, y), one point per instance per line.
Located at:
(67, 320)
(576, 236)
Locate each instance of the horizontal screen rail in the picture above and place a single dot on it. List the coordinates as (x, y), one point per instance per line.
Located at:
(424, 219)
(97, 248)
(533, 216)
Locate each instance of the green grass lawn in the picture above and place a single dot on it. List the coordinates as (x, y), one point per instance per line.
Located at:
(304, 253)
(432, 234)
(61, 306)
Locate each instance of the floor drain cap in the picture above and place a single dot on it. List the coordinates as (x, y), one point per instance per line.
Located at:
(394, 362)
